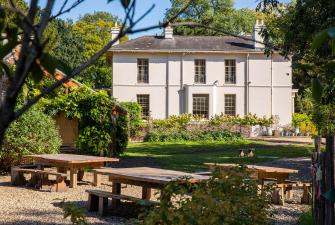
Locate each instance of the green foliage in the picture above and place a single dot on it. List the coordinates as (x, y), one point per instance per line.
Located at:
(94, 31)
(194, 135)
(187, 127)
(304, 122)
(229, 197)
(69, 46)
(33, 133)
(306, 218)
(94, 111)
(76, 214)
(247, 120)
(219, 14)
(135, 117)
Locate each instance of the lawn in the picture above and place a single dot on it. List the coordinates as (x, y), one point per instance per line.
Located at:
(190, 156)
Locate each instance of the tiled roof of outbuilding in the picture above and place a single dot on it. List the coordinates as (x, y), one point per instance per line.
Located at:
(187, 43)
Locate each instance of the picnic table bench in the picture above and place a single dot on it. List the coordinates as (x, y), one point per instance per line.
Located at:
(283, 186)
(75, 163)
(39, 178)
(145, 177)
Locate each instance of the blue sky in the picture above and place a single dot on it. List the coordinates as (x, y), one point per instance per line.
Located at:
(116, 9)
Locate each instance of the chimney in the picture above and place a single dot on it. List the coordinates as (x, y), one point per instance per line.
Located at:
(115, 33)
(168, 32)
(256, 33)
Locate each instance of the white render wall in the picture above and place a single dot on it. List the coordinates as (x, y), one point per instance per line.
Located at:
(171, 83)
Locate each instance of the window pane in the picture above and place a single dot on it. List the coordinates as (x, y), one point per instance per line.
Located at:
(144, 102)
(200, 71)
(200, 105)
(230, 105)
(230, 71)
(142, 70)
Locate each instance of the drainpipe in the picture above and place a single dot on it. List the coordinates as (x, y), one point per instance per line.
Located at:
(181, 91)
(167, 86)
(247, 83)
(271, 86)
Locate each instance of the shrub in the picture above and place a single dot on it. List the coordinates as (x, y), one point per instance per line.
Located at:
(135, 117)
(306, 218)
(33, 133)
(195, 135)
(229, 197)
(94, 111)
(247, 120)
(304, 122)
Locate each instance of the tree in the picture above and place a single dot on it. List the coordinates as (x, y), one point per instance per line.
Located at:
(30, 33)
(95, 32)
(218, 13)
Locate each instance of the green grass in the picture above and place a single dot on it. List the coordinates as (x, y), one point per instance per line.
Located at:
(190, 156)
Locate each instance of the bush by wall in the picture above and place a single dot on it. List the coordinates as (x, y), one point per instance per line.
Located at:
(97, 127)
(135, 117)
(189, 128)
(229, 197)
(304, 122)
(195, 135)
(33, 133)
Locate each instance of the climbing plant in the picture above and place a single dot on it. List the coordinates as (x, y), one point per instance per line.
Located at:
(97, 126)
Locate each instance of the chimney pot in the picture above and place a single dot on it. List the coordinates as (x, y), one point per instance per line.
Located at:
(168, 32)
(259, 25)
(115, 32)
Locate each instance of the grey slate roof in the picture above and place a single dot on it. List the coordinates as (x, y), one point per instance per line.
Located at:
(187, 43)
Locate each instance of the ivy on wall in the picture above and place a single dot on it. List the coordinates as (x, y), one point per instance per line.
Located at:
(96, 124)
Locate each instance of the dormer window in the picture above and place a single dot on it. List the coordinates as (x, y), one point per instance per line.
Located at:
(143, 71)
(200, 71)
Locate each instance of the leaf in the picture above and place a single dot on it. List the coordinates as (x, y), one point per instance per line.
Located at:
(316, 89)
(125, 3)
(7, 48)
(37, 72)
(49, 63)
(331, 64)
(331, 32)
(319, 39)
(303, 66)
(2, 19)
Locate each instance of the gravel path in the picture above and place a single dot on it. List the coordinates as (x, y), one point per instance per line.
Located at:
(20, 205)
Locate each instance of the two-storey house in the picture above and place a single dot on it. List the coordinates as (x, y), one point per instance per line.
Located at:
(202, 75)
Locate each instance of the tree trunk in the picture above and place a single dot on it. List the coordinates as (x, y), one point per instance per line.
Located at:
(329, 179)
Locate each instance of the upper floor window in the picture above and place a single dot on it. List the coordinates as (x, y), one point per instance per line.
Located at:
(230, 104)
(200, 71)
(143, 71)
(201, 105)
(230, 71)
(144, 102)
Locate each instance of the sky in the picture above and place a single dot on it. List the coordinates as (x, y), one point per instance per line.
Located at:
(157, 14)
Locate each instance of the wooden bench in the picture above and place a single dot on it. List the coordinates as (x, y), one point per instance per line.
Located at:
(39, 178)
(283, 192)
(98, 200)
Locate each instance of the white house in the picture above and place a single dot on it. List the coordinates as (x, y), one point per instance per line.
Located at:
(203, 75)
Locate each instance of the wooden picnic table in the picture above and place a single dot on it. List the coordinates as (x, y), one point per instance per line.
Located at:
(145, 177)
(75, 163)
(260, 172)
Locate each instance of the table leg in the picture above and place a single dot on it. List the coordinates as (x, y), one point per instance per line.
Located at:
(116, 189)
(97, 179)
(146, 193)
(81, 173)
(73, 178)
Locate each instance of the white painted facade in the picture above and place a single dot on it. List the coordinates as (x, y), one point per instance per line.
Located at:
(263, 84)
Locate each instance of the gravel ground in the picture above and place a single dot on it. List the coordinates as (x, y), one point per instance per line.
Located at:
(21, 205)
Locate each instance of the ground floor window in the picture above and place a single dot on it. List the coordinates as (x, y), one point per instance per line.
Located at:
(230, 104)
(144, 102)
(201, 105)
